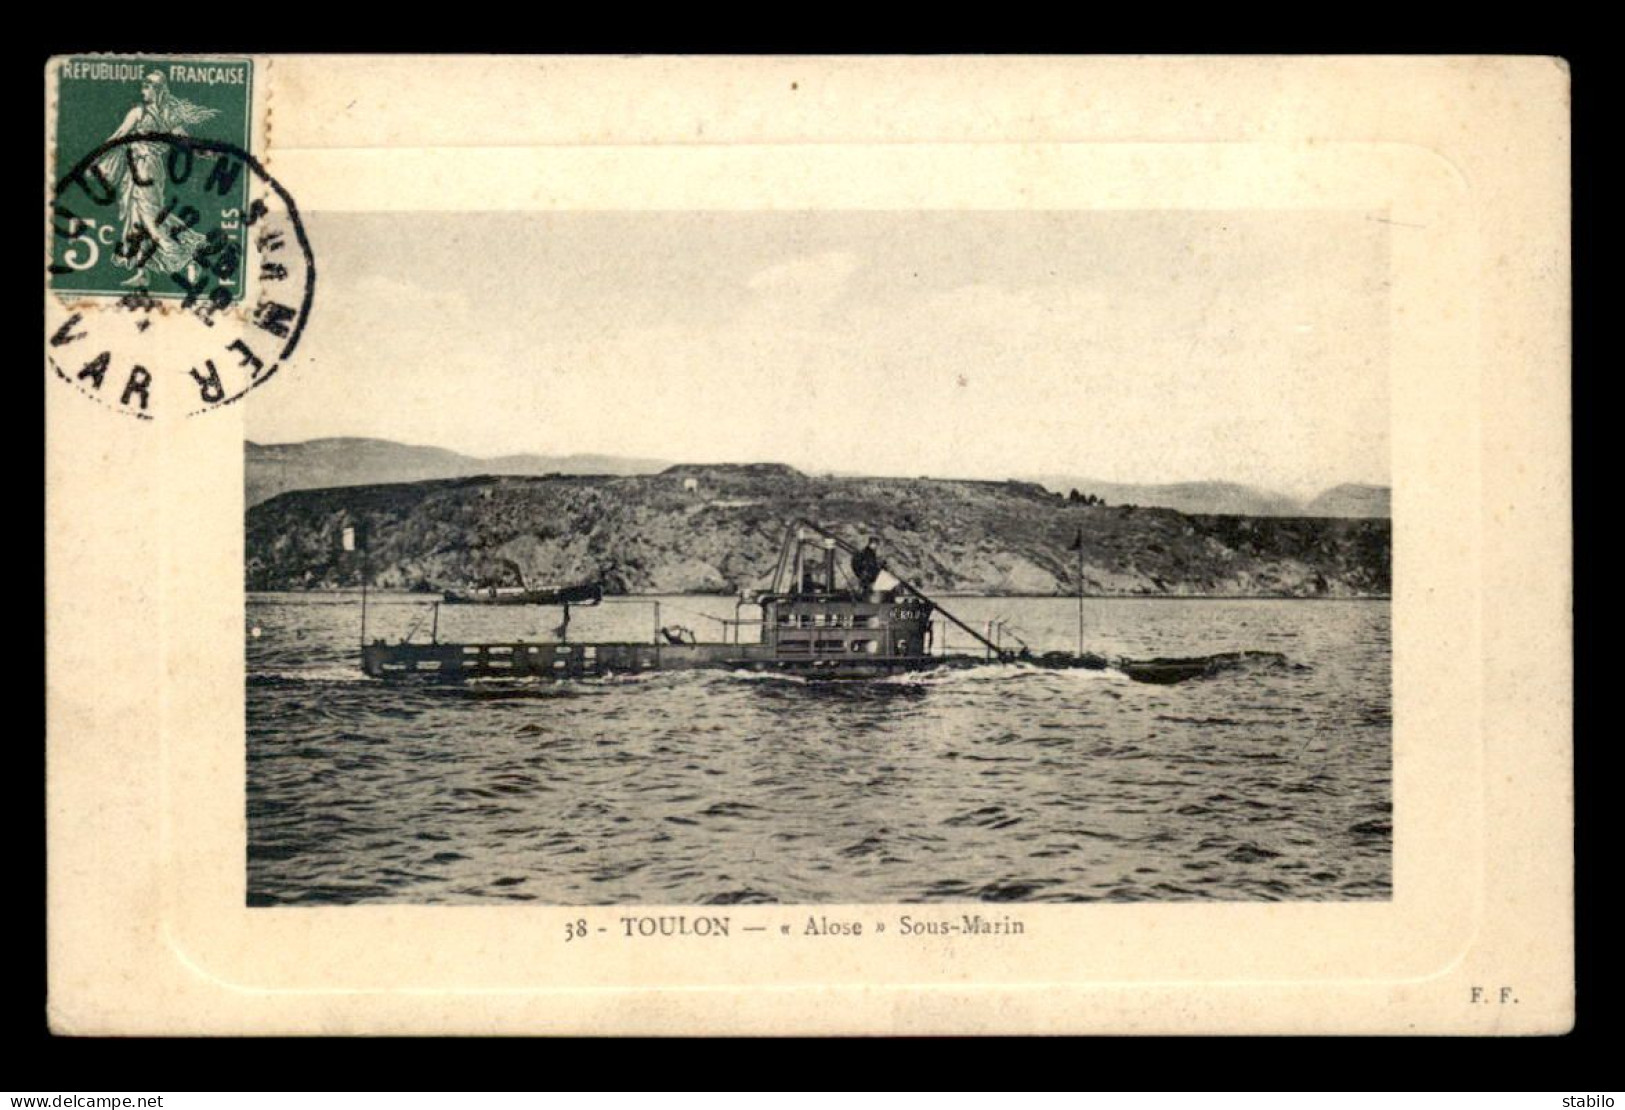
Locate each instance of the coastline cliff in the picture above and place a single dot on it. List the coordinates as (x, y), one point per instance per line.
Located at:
(698, 529)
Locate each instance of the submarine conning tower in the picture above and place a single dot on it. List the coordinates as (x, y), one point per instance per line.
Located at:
(831, 600)
(821, 626)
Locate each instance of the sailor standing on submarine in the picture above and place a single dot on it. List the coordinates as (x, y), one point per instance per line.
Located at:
(866, 567)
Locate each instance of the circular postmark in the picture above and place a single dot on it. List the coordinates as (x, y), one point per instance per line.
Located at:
(220, 276)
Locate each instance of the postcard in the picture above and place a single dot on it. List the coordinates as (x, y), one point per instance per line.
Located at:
(680, 545)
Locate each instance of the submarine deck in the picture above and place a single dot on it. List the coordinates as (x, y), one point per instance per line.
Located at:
(585, 660)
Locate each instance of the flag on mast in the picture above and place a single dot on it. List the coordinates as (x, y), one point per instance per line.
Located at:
(1077, 545)
(349, 539)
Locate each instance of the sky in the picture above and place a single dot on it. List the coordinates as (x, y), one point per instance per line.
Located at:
(1120, 346)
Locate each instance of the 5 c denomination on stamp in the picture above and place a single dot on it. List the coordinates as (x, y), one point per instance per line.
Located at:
(180, 276)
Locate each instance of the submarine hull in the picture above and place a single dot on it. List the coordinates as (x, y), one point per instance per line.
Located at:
(587, 660)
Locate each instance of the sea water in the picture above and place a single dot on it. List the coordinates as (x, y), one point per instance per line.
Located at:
(994, 783)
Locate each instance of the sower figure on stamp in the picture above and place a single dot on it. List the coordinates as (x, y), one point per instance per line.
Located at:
(148, 241)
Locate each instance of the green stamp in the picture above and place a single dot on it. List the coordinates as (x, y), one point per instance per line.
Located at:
(180, 276)
(156, 207)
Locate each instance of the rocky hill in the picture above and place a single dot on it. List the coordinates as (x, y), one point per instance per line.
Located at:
(717, 528)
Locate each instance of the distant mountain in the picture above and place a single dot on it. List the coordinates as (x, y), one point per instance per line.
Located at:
(273, 468)
(1226, 498)
(1229, 498)
(1350, 500)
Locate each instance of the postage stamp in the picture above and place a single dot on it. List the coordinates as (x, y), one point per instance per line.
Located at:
(180, 275)
(136, 233)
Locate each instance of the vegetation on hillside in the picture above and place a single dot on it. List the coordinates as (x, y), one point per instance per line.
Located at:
(717, 529)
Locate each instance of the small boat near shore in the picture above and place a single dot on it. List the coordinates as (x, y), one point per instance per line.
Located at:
(588, 594)
(823, 617)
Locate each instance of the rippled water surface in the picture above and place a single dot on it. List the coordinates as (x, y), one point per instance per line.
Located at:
(995, 783)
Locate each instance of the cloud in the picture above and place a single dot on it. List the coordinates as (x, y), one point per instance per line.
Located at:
(818, 278)
(404, 303)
